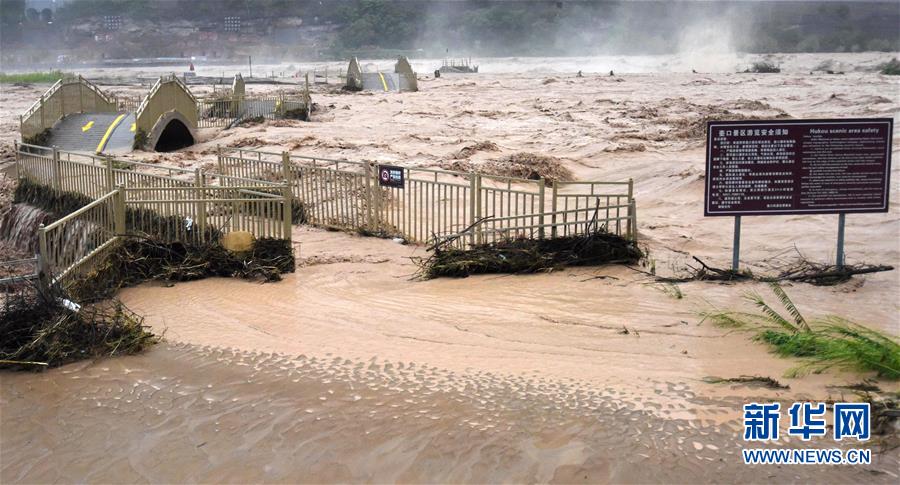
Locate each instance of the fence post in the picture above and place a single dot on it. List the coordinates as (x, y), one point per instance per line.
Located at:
(199, 183)
(630, 226)
(219, 160)
(16, 154)
(633, 220)
(110, 175)
(476, 230)
(541, 208)
(375, 196)
(553, 216)
(287, 213)
(119, 210)
(42, 113)
(54, 170)
(369, 191)
(43, 261)
(286, 168)
(80, 94)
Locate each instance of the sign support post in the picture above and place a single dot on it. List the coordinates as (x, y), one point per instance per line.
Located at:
(793, 167)
(840, 240)
(736, 255)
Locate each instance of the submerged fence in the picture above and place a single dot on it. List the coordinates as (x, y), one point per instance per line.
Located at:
(261, 192)
(431, 203)
(72, 246)
(225, 110)
(170, 204)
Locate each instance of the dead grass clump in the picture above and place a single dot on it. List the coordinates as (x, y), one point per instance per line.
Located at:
(251, 121)
(482, 146)
(752, 381)
(9, 253)
(39, 331)
(526, 255)
(249, 141)
(521, 165)
(307, 140)
(528, 166)
(625, 147)
(138, 260)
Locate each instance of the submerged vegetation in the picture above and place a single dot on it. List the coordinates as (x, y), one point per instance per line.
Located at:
(31, 77)
(822, 343)
(525, 255)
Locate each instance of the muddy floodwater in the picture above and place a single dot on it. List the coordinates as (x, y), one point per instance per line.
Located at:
(351, 369)
(186, 414)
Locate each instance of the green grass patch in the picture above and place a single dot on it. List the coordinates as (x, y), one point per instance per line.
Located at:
(890, 68)
(823, 343)
(31, 77)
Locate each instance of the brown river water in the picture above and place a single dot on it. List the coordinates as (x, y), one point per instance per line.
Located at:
(352, 370)
(183, 413)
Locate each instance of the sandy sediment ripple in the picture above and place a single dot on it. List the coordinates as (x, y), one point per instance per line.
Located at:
(187, 413)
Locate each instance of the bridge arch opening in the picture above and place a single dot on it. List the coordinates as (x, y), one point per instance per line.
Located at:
(174, 136)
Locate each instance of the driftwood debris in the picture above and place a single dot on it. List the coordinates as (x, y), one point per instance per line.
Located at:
(803, 270)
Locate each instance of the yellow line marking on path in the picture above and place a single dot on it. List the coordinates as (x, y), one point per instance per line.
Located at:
(133, 127)
(87, 126)
(382, 81)
(112, 126)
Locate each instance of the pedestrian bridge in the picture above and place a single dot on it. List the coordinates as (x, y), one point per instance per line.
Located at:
(74, 114)
(402, 79)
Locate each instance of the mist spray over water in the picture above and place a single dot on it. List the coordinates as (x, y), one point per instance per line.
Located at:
(707, 45)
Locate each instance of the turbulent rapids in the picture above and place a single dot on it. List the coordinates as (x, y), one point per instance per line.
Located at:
(19, 225)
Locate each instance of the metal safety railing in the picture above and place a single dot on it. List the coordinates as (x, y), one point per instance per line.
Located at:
(256, 191)
(345, 194)
(66, 96)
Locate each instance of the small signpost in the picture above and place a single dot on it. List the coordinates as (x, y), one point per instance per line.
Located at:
(390, 176)
(789, 167)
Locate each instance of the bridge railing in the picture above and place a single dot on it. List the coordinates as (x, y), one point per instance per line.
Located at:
(69, 246)
(66, 96)
(72, 247)
(163, 190)
(226, 109)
